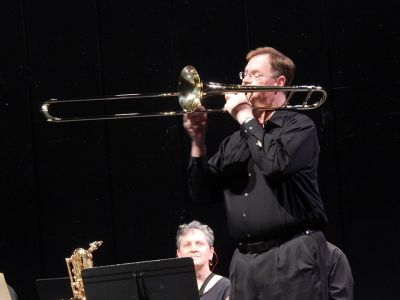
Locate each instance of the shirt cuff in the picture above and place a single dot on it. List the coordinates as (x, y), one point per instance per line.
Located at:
(198, 162)
(252, 129)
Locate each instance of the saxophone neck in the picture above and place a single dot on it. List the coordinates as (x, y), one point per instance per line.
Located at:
(94, 246)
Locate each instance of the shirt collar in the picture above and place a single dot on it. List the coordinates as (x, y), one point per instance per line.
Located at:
(276, 119)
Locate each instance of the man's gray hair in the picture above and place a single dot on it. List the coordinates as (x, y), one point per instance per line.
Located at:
(185, 228)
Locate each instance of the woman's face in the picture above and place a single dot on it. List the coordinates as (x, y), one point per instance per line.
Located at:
(195, 245)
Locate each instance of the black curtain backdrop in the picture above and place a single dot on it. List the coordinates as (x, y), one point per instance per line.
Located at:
(124, 181)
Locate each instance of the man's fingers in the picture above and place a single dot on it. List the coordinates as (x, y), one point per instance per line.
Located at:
(194, 120)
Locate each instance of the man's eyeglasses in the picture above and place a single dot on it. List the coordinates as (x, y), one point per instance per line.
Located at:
(244, 74)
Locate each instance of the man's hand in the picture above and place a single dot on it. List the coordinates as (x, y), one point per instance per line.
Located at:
(195, 124)
(238, 106)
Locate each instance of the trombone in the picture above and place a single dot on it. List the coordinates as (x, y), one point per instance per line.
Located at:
(190, 92)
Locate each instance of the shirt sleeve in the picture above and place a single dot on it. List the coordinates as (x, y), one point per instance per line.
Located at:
(340, 276)
(293, 149)
(203, 181)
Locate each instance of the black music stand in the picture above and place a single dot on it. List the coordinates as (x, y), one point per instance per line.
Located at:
(54, 288)
(164, 279)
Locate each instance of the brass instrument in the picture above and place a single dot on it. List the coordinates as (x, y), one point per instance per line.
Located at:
(79, 260)
(191, 90)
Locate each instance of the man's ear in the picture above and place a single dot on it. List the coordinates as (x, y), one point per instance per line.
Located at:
(177, 253)
(281, 80)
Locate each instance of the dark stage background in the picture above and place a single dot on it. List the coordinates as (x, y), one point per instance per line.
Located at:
(124, 182)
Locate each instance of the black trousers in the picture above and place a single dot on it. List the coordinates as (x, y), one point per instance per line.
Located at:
(296, 270)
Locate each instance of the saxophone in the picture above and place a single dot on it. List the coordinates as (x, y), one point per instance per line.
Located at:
(79, 260)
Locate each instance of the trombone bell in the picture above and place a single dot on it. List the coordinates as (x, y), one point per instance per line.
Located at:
(190, 89)
(190, 92)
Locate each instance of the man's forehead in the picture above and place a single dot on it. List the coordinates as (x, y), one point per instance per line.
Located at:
(194, 234)
(260, 62)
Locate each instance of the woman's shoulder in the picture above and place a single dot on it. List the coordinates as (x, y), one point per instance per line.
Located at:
(218, 288)
(223, 279)
(222, 283)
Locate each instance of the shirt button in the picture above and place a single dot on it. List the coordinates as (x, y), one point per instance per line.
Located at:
(246, 194)
(250, 127)
(245, 131)
(244, 215)
(249, 174)
(248, 235)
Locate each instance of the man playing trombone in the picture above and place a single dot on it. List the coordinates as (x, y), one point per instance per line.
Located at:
(267, 174)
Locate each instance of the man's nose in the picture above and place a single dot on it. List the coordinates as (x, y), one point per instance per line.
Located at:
(246, 80)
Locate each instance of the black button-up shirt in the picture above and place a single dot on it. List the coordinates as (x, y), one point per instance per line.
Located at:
(268, 177)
